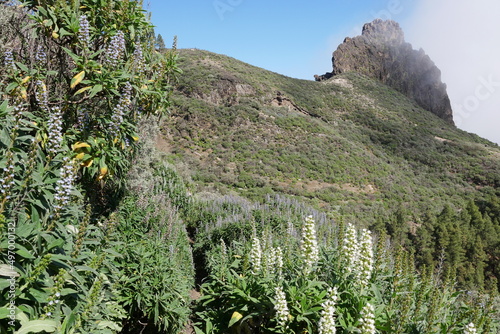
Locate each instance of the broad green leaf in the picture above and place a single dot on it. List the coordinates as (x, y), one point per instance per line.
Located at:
(64, 32)
(69, 322)
(22, 317)
(38, 295)
(70, 53)
(11, 87)
(4, 313)
(22, 67)
(68, 291)
(56, 243)
(23, 252)
(108, 324)
(38, 326)
(96, 89)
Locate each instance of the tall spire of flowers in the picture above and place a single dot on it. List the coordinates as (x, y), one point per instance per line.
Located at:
(367, 320)
(115, 50)
(365, 260)
(55, 130)
(84, 31)
(256, 256)
(120, 110)
(351, 249)
(64, 184)
(326, 323)
(281, 307)
(309, 245)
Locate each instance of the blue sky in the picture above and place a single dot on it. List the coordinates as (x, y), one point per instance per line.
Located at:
(294, 38)
(297, 38)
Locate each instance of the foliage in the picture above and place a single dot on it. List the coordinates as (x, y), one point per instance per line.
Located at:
(156, 267)
(237, 298)
(96, 226)
(75, 80)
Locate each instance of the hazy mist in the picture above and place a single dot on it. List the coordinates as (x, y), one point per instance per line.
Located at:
(463, 39)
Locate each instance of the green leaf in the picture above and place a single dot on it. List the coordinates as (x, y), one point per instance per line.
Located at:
(22, 67)
(38, 326)
(23, 252)
(96, 89)
(108, 324)
(70, 53)
(4, 313)
(40, 296)
(56, 243)
(11, 87)
(64, 32)
(25, 230)
(69, 322)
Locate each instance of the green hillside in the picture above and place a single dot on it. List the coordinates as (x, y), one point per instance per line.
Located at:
(349, 146)
(348, 142)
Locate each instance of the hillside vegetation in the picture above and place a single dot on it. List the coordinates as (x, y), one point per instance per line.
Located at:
(226, 199)
(348, 146)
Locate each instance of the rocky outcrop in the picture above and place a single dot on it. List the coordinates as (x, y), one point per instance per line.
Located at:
(382, 53)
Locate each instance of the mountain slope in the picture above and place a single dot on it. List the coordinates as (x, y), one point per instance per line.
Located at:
(349, 141)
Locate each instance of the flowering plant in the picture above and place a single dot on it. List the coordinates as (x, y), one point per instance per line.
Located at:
(72, 96)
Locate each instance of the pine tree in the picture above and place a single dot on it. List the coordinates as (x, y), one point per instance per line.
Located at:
(159, 44)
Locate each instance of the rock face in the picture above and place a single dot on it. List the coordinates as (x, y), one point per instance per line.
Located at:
(382, 53)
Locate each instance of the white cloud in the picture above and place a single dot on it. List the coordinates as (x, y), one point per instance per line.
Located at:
(463, 38)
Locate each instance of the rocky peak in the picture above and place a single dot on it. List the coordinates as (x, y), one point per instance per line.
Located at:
(383, 32)
(382, 53)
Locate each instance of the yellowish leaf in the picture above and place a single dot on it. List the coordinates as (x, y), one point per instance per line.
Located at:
(80, 156)
(55, 35)
(23, 93)
(81, 90)
(102, 172)
(80, 144)
(25, 80)
(135, 138)
(77, 79)
(235, 318)
(88, 163)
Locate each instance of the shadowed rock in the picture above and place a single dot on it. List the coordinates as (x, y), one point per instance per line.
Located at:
(382, 53)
